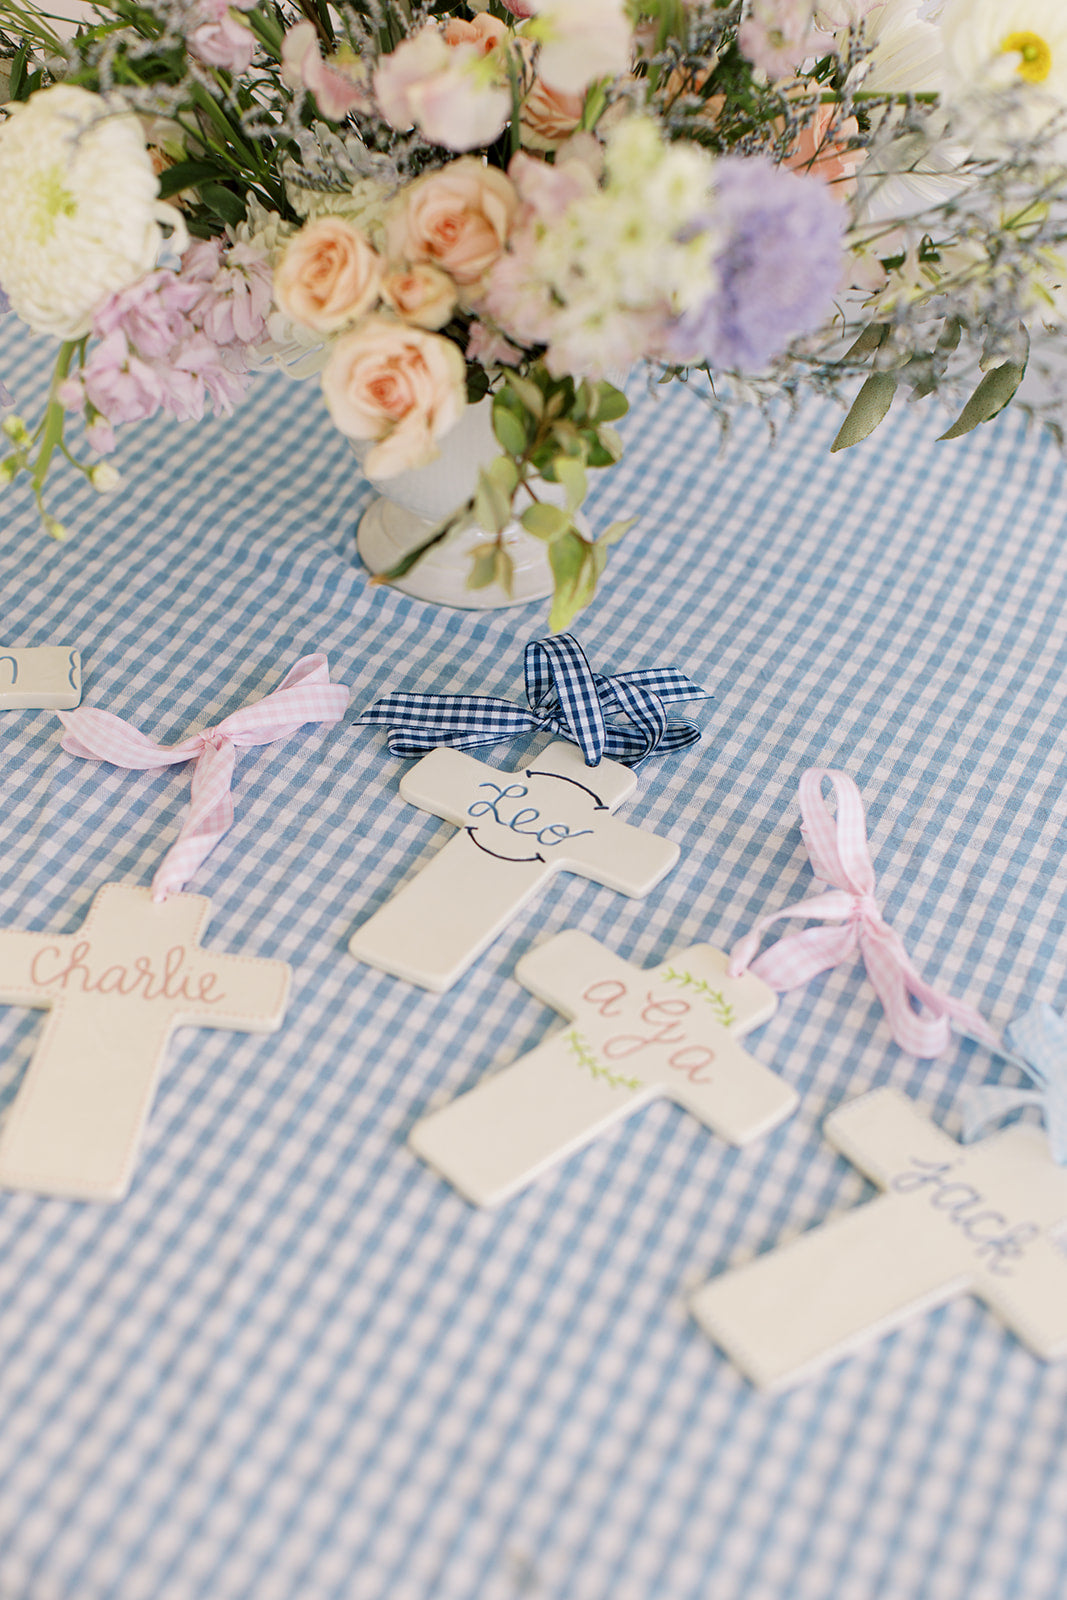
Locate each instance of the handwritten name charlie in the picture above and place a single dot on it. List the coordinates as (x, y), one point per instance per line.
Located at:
(52, 968)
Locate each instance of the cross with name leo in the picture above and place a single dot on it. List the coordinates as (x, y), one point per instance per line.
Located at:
(115, 991)
(518, 830)
(634, 1036)
(954, 1220)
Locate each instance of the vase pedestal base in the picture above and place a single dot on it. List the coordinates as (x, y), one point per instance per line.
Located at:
(388, 532)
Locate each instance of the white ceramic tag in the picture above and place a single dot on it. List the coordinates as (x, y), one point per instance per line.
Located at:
(635, 1035)
(954, 1220)
(116, 990)
(518, 830)
(47, 677)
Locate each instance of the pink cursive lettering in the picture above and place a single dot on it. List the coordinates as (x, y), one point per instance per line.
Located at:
(661, 1016)
(50, 968)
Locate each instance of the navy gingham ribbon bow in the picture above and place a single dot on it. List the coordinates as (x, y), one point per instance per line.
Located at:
(567, 698)
(1039, 1048)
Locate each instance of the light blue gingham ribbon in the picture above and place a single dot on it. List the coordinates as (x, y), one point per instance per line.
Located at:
(566, 697)
(1039, 1048)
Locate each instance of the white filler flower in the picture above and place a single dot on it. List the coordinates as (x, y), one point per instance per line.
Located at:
(992, 44)
(78, 202)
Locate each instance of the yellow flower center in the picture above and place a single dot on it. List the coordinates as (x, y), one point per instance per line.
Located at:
(51, 200)
(1035, 55)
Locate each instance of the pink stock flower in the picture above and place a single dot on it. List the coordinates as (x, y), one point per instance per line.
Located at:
(337, 84)
(174, 341)
(220, 40)
(490, 347)
(450, 92)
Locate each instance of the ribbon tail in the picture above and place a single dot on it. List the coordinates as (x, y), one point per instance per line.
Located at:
(304, 695)
(990, 1103)
(799, 957)
(897, 981)
(96, 735)
(210, 816)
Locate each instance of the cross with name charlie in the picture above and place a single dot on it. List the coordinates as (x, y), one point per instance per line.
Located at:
(954, 1220)
(115, 991)
(634, 1036)
(518, 829)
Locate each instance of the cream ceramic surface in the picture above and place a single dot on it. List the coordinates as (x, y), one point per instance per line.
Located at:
(115, 992)
(44, 677)
(954, 1220)
(414, 504)
(635, 1036)
(518, 830)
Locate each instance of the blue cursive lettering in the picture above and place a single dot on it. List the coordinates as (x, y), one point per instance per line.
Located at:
(996, 1240)
(518, 822)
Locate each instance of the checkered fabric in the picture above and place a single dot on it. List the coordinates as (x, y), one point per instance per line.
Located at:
(567, 699)
(294, 1365)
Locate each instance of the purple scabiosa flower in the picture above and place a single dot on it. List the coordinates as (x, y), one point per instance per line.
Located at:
(780, 265)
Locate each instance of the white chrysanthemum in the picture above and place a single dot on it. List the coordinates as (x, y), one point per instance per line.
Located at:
(906, 50)
(78, 199)
(991, 44)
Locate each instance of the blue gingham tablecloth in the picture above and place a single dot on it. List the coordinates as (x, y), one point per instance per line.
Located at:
(293, 1365)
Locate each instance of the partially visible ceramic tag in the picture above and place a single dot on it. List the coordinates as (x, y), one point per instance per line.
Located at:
(954, 1220)
(635, 1036)
(44, 677)
(518, 829)
(116, 990)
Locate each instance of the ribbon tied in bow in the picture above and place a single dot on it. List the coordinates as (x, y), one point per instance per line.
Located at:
(840, 857)
(1039, 1048)
(566, 698)
(304, 695)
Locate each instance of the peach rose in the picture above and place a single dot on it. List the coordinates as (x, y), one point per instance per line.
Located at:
(457, 218)
(549, 116)
(329, 275)
(484, 31)
(423, 294)
(400, 387)
(823, 147)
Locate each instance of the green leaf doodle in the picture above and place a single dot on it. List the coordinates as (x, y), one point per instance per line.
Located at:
(585, 1057)
(724, 1011)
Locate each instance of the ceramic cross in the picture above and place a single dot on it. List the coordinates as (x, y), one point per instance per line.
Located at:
(518, 830)
(49, 677)
(954, 1220)
(116, 990)
(635, 1035)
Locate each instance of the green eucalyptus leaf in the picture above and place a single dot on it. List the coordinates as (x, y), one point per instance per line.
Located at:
(504, 474)
(492, 507)
(571, 475)
(505, 571)
(545, 521)
(871, 339)
(616, 531)
(611, 403)
(527, 393)
(868, 410)
(611, 441)
(483, 566)
(568, 557)
(991, 396)
(509, 429)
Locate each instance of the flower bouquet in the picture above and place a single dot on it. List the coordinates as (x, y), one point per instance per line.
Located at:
(426, 205)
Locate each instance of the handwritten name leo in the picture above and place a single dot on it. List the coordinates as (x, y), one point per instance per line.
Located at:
(520, 821)
(51, 968)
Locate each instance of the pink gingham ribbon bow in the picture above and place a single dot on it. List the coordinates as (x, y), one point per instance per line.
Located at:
(839, 856)
(304, 695)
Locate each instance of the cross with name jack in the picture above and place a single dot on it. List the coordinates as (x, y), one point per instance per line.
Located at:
(953, 1220)
(635, 1036)
(518, 829)
(115, 991)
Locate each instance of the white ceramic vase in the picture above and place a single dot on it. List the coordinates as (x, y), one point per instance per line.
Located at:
(413, 504)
